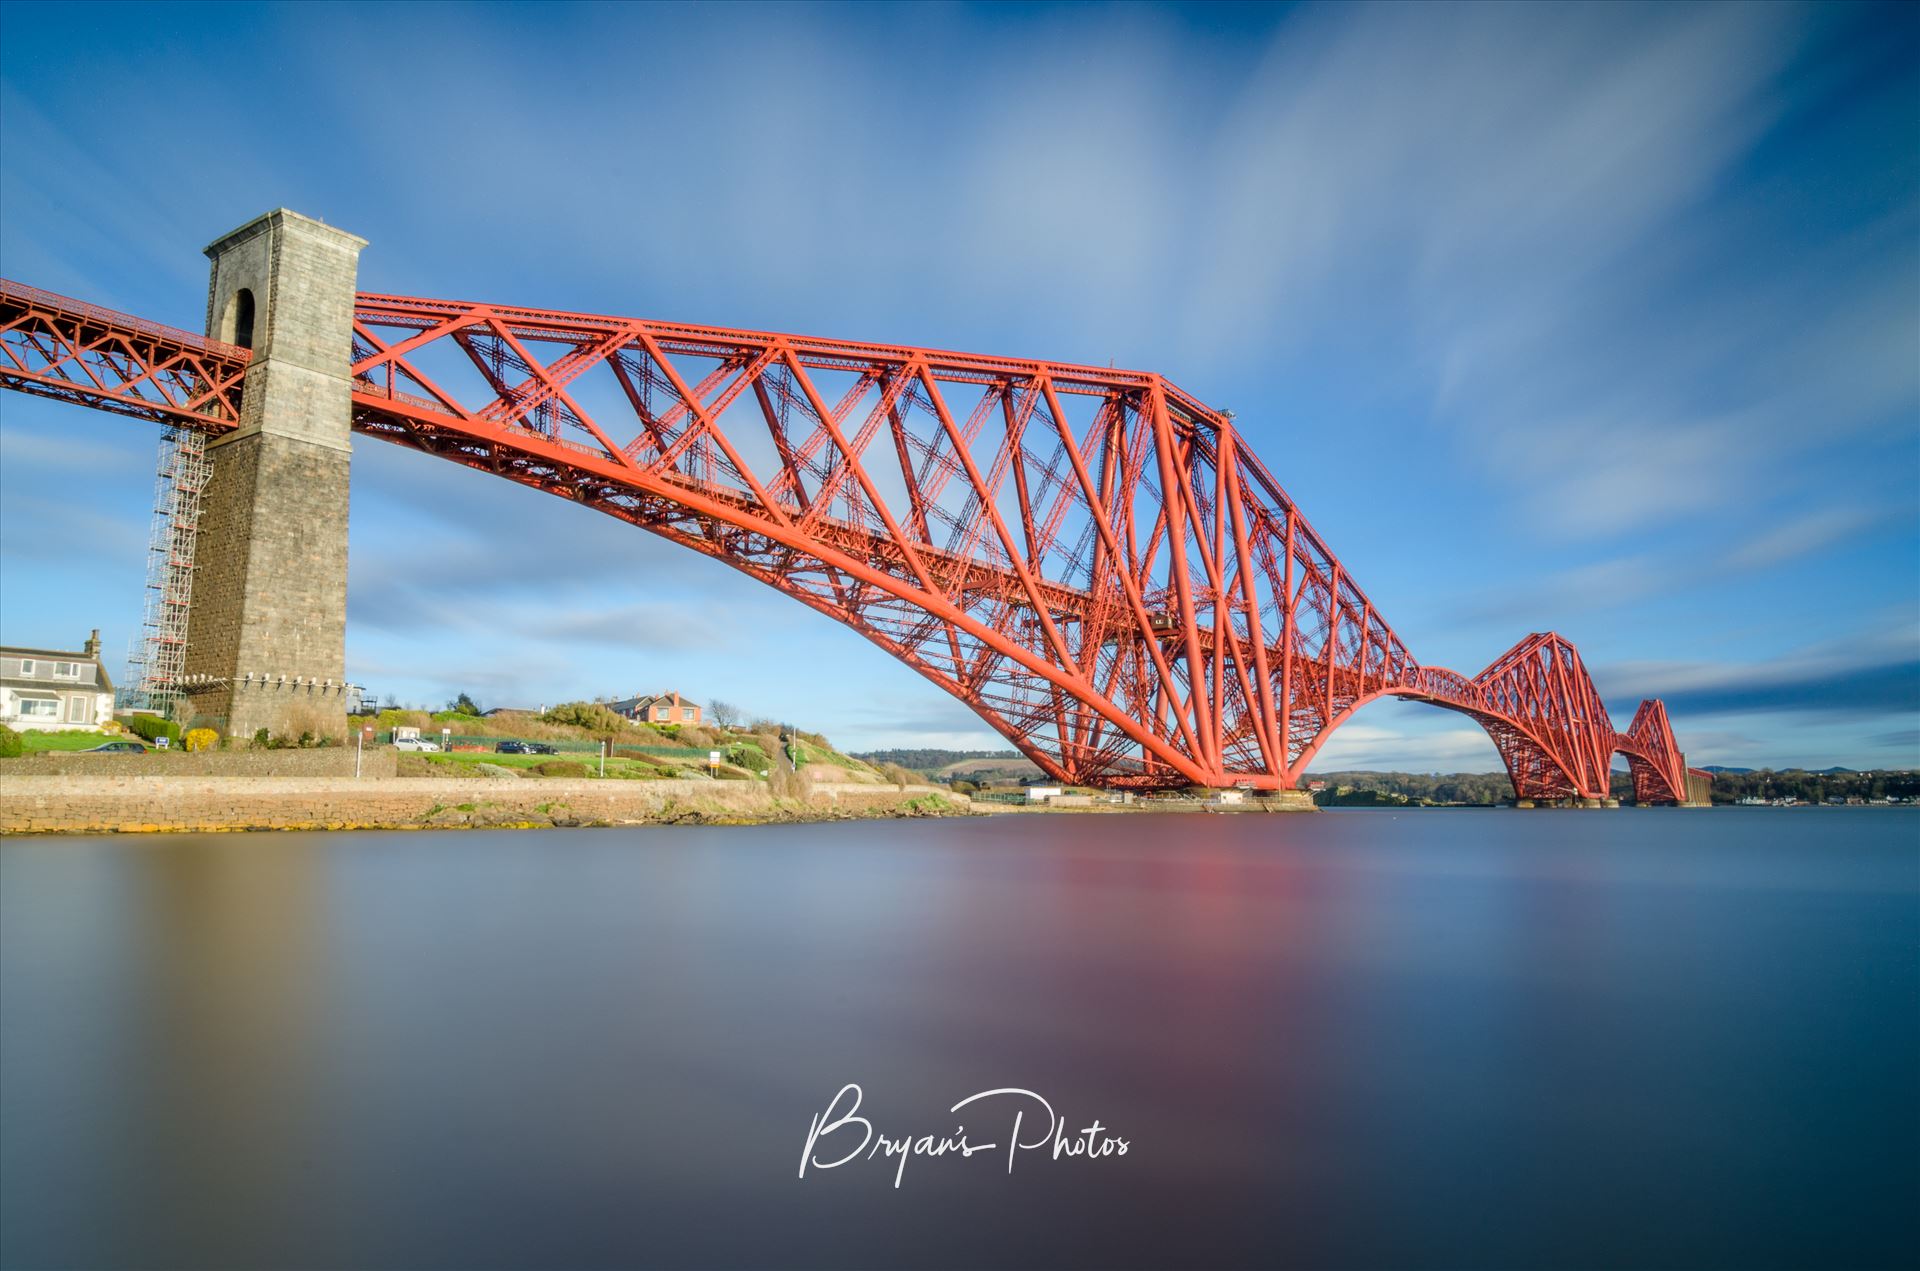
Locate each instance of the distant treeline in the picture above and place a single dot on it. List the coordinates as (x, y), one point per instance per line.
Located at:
(1814, 787)
(1362, 789)
(934, 760)
(1375, 789)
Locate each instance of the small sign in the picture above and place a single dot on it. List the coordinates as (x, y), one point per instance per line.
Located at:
(161, 742)
(713, 757)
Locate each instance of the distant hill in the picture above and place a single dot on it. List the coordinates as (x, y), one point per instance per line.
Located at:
(934, 760)
(985, 767)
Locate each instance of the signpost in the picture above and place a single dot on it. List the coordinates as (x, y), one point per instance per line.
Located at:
(446, 739)
(713, 763)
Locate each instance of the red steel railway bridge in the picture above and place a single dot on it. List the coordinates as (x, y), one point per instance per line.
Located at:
(1093, 560)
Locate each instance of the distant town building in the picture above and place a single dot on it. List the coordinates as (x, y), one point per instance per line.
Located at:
(55, 690)
(657, 708)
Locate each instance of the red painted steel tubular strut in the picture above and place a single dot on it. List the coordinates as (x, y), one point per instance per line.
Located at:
(1089, 558)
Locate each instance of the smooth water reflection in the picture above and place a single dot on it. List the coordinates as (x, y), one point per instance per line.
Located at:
(1437, 1039)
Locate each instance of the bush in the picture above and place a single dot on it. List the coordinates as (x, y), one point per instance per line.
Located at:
(199, 739)
(10, 743)
(748, 755)
(153, 728)
(586, 715)
(561, 768)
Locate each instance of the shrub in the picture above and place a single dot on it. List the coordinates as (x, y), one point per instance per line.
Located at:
(561, 768)
(748, 755)
(262, 740)
(153, 728)
(10, 743)
(586, 715)
(199, 739)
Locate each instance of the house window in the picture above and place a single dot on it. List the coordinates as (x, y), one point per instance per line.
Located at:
(66, 670)
(26, 666)
(78, 711)
(686, 713)
(40, 708)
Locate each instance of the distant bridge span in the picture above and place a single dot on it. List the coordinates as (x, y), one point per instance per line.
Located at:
(1091, 559)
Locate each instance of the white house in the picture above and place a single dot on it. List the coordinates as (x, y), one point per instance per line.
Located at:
(51, 690)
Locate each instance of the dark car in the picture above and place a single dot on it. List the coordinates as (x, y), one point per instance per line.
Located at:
(116, 748)
(540, 748)
(512, 748)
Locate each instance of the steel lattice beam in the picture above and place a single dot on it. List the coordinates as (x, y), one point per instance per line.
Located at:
(1092, 559)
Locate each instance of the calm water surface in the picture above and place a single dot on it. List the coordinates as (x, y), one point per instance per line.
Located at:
(1427, 1039)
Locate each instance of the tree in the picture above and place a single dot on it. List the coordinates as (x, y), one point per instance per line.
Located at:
(464, 704)
(725, 714)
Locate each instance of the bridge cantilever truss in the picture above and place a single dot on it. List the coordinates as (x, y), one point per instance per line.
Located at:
(1092, 559)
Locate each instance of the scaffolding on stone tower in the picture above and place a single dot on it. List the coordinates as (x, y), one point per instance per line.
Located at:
(178, 486)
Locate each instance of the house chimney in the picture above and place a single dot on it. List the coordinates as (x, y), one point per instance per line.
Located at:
(93, 644)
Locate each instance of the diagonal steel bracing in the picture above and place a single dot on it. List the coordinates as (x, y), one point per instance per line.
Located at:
(1092, 559)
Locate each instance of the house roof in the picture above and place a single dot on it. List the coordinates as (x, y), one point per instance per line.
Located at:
(648, 702)
(103, 681)
(52, 686)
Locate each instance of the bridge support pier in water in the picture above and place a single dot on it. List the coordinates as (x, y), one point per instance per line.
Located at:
(266, 632)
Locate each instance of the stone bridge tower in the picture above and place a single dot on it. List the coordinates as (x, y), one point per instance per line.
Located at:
(266, 631)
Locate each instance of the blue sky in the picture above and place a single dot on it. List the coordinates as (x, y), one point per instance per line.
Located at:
(1604, 320)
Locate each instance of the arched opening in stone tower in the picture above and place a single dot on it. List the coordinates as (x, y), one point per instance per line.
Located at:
(237, 325)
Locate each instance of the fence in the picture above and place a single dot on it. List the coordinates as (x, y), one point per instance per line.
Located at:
(570, 746)
(457, 740)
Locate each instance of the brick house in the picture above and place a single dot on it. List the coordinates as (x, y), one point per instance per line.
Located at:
(53, 690)
(657, 708)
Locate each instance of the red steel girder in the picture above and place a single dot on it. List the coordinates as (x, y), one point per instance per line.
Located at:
(54, 346)
(1090, 558)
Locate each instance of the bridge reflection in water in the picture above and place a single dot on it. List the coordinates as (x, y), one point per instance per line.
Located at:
(1091, 559)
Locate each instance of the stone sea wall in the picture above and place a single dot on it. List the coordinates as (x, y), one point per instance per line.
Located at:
(331, 761)
(147, 804)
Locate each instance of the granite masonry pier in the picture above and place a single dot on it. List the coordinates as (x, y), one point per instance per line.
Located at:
(266, 631)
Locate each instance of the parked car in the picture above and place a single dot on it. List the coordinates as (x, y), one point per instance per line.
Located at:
(540, 748)
(115, 748)
(416, 743)
(512, 747)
